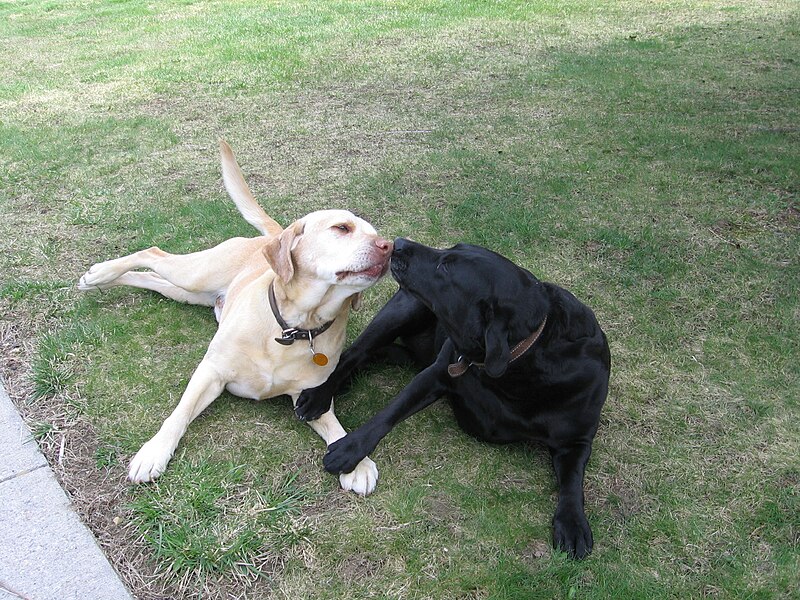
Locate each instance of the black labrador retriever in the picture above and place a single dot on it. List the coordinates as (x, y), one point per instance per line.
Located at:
(519, 359)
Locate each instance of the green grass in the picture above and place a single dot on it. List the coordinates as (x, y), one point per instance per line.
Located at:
(643, 154)
(217, 521)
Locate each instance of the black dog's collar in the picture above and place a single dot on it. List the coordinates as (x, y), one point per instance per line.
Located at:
(290, 335)
(458, 368)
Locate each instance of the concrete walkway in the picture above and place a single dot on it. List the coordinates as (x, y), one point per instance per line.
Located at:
(46, 552)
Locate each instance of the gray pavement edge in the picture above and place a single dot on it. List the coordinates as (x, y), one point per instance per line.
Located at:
(46, 552)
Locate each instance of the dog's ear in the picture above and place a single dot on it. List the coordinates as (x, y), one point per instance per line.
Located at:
(278, 251)
(498, 354)
(355, 301)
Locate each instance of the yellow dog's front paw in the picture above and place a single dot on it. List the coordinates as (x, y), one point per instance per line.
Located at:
(150, 462)
(362, 480)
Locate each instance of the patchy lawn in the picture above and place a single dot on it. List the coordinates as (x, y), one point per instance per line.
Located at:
(643, 154)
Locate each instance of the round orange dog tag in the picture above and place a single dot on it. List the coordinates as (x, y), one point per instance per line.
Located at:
(320, 359)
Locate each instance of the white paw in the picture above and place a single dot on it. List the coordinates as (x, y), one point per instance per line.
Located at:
(150, 461)
(362, 480)
(99, 276)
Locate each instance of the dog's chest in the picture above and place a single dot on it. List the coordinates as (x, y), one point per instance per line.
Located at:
(261, 384)
(282, 370)
(255, 365)
(499, 414)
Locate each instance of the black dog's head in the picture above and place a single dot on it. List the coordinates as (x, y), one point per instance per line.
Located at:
(485, 302)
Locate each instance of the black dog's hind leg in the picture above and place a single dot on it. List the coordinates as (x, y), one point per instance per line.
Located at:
(402, 315)
(571, 531)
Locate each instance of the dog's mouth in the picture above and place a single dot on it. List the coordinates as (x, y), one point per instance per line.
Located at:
(376, 271)
(399, 267)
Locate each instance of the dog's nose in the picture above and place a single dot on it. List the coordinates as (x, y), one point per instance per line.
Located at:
(400, 244)
(384, 245)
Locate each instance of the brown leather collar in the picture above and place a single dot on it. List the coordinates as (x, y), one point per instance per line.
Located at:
(290, 335)
(458, 368)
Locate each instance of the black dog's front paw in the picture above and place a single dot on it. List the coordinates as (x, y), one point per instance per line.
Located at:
(571, 533)
(344, 455)
(313, 403)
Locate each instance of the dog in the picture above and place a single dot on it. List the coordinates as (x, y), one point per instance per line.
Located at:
(518, 358)
(282, 301)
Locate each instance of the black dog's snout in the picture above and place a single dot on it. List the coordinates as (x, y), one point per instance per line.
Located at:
(400, 245)
(399, 258)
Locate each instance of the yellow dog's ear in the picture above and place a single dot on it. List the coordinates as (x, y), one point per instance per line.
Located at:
(278, 251)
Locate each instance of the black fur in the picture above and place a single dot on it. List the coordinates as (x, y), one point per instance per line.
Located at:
(468, 301)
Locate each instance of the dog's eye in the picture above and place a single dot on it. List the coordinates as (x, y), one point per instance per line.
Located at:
(343, 227)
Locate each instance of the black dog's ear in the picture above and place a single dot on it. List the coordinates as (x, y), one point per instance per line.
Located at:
(498, 354)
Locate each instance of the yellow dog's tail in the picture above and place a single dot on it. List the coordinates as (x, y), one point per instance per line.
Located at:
(242, 196)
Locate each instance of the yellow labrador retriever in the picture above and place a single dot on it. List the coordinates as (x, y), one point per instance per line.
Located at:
(282, 301)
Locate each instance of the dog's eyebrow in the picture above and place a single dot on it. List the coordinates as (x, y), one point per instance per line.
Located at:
(349, 226)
